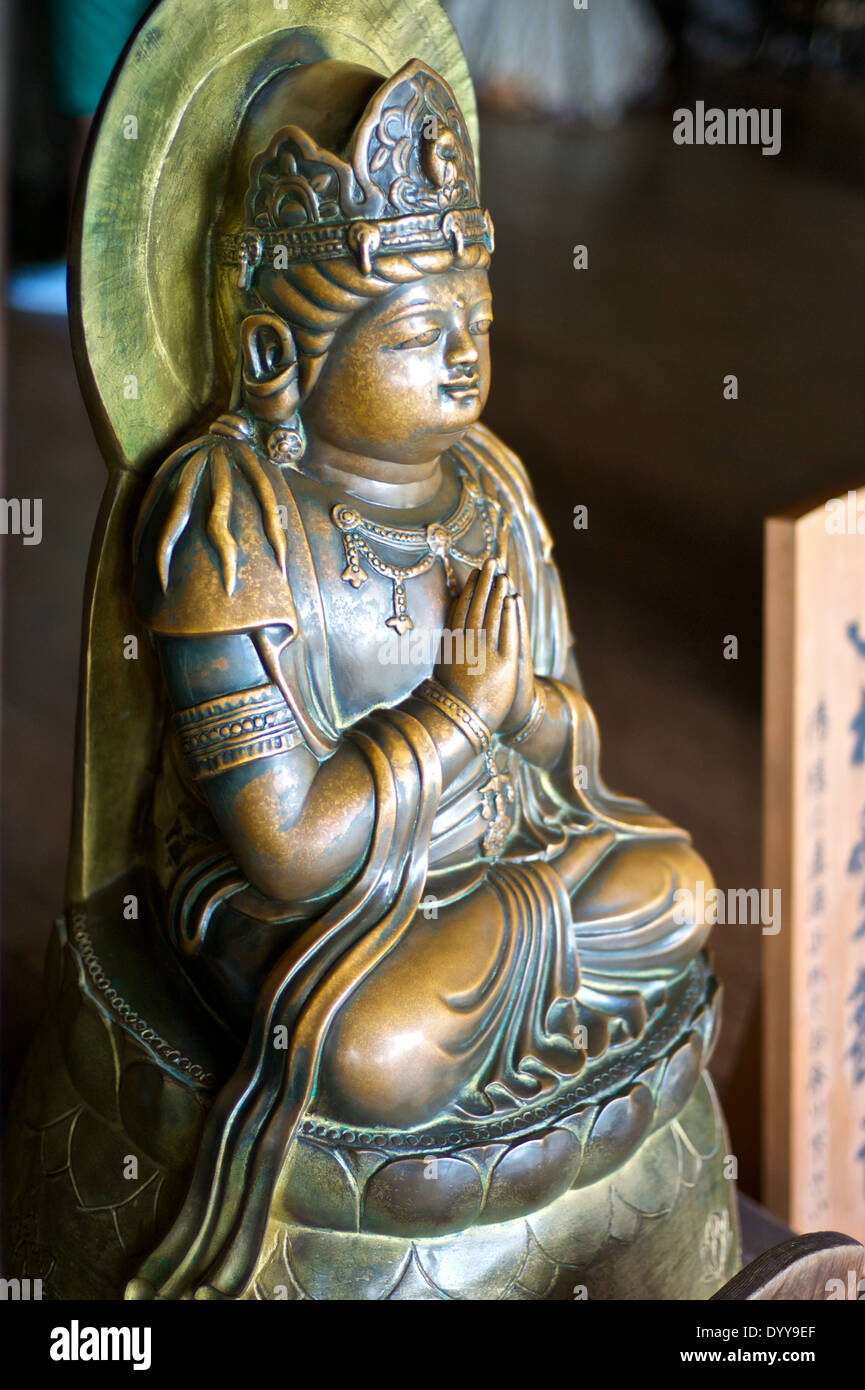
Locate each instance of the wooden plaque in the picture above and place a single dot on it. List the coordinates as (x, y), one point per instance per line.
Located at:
(814, 851)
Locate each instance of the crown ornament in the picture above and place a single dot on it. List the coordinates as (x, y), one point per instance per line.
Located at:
(409, 184)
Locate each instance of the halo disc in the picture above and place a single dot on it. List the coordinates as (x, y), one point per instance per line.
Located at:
(140, 287)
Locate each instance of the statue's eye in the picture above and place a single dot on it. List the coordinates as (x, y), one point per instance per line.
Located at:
(421, 340)
(481, 326)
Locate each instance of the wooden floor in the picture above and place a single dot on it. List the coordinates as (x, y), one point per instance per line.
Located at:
(702, 262)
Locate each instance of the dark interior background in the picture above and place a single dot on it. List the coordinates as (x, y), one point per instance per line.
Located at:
(608, 382)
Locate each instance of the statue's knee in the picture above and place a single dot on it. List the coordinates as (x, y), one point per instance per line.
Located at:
(691, 869)
(636, 874)
(391, 1082)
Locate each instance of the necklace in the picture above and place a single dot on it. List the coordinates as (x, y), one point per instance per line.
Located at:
(437, 541)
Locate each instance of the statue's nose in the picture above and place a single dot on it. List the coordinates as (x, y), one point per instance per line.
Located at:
(461, 348)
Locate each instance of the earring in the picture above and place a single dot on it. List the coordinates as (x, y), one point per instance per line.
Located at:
(270, 385)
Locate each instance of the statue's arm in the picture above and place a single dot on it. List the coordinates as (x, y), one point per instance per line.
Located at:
(298, 829)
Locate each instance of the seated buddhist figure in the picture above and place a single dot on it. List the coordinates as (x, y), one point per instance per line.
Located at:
(385, 855)
(367, 986)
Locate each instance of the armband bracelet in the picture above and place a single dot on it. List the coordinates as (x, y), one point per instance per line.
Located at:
(530, 726)
(459, 713)
(232, 730)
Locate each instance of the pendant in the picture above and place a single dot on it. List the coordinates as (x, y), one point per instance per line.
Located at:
(401, 622)
(497, 794)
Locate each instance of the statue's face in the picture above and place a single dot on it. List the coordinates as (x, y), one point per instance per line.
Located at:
(409, 373)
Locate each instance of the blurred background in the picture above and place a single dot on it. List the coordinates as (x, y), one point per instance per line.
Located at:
(702, 262)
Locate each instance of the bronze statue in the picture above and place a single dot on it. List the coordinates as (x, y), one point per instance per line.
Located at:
(392, 998)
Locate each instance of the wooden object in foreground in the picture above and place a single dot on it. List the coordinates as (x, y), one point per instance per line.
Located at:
(814, 852)
(823, 1266)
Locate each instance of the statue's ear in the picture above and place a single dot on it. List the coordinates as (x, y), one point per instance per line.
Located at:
(269, 368)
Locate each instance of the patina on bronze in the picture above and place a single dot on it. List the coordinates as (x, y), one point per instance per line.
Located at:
(381, 988)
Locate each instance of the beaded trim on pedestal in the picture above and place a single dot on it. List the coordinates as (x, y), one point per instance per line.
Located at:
(138, 1026)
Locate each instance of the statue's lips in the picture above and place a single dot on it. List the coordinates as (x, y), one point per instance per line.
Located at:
(462, 390)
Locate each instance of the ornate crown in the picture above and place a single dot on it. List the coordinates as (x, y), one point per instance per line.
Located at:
(409, 184)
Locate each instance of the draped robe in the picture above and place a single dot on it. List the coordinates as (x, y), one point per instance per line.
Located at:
(391, 1015)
